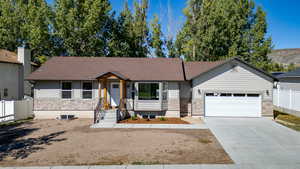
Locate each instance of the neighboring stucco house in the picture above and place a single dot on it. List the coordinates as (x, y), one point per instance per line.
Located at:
(151, 86)
(289, 80)
(13, 68)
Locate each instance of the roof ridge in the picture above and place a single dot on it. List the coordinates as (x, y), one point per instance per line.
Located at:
(102, 57)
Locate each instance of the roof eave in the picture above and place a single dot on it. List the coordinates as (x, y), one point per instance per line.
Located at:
(18, 63)
(239, 60)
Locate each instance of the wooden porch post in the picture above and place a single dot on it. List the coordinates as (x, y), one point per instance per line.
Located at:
(122, 89)
(106, 106)
(122, 93)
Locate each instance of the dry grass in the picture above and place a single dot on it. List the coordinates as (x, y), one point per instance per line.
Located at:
(288, 120)
(204, 141)
(55, 142)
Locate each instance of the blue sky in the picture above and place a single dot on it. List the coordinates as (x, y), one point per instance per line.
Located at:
(283, 18)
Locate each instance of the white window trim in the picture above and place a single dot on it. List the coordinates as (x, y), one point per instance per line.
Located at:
(61, 90)
(82, 90)
(165, 90)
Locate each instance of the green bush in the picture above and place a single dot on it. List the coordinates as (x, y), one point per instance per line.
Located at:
(134, 117)
(162, 119)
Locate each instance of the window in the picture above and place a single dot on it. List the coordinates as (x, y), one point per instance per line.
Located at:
(87, 90)
(148, 91)
(225, 94)
(66, 90)
(253, 95)
(239, 95)
(5, 92)
(115, 86)
(209, 94)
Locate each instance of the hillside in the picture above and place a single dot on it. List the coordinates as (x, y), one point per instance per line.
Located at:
(286, 56)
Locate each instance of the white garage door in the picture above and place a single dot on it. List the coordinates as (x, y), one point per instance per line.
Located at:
(232, 105)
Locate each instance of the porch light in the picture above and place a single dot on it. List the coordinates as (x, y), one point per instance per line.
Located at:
(199, 91)
(267, 92)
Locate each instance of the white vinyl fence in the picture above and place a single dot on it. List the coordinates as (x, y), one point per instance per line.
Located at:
(15, 110)
(287, 99)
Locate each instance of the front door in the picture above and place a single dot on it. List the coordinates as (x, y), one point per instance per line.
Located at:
(115, 94)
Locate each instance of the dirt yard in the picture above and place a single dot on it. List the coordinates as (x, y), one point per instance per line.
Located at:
(54, 142)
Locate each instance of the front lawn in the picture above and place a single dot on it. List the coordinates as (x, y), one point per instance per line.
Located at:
(288, 120)
(56, 142)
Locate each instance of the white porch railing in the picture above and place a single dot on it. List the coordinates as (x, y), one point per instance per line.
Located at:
(287, 99)
(15, 110)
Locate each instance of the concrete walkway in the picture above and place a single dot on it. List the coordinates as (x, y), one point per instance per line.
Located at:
(151, 126)
(257, 141)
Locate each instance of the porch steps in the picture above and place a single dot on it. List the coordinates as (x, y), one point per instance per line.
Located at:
(110, 118)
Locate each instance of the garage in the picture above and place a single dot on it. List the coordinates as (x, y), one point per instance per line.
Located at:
(228, 104)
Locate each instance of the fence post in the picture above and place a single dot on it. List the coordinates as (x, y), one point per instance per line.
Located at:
(290, 105)
(4, 109)
(1, 111)
(278, 97)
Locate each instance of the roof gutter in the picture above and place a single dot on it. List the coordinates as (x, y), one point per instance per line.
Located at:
(183, 70)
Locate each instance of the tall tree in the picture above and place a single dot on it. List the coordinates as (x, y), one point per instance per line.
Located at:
(187, 39)
(260, 46)
(140, 28)
(36, 28)
(121, 42)
(156, 39)
(80, 27)
(224, 28)
(25, 23)
(11, 20)
(130, 34)
(172, 50)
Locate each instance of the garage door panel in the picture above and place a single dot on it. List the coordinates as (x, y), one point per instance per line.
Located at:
(233, 106)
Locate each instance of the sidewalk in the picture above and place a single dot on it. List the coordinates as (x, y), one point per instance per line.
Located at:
(187, 166)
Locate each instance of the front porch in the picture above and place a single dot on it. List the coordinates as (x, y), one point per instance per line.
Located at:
(112, 97)
(120, 97)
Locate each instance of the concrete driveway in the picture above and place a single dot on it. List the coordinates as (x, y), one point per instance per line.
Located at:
(257, 141)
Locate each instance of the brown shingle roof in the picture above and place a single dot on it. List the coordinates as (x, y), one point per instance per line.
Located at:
(8, 57)
(193, 69)
(11, 57)
(88, 68)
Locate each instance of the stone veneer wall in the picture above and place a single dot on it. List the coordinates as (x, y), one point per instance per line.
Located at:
(54, 104)
(197, 107)
(173, 104)
(185, 107)
(267, 108)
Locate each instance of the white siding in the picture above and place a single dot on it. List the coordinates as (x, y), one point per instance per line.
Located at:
(173, 92)
(96, 87)
(47, 89)
(51, 89)
(10, 79)
(290, 83)
(228, 78)
(148, 105)
(76, 86)
(173, 96)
